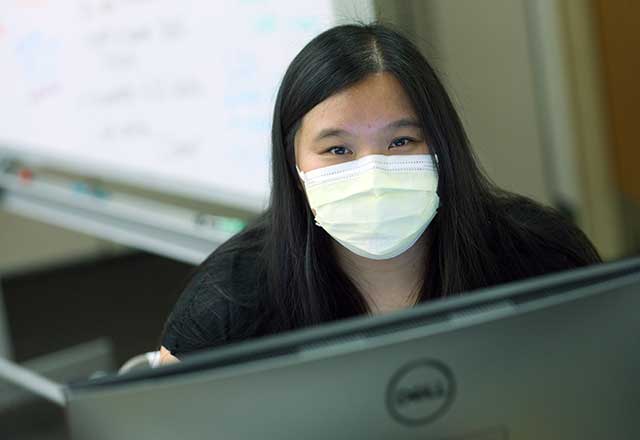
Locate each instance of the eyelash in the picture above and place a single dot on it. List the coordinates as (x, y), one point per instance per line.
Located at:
(330, 150)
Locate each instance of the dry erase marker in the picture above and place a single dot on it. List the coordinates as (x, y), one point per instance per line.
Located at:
(25, 175)
(226, 224)
(90, 190)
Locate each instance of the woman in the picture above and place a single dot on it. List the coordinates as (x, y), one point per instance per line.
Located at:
(377, 203)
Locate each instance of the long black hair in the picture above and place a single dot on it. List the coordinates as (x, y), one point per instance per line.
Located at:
(481, 235)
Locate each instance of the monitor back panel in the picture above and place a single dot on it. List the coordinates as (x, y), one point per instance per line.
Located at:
(566, 371)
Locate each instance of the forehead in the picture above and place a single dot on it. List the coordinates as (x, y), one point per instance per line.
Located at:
(369, 104)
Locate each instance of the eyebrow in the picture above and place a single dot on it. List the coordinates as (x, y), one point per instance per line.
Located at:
(404, 122)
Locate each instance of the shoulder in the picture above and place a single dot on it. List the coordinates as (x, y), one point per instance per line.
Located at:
(199, 318)
(541, 237)
(220, 290)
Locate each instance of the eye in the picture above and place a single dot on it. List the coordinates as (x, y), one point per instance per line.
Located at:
(338, 151)
(400, 142)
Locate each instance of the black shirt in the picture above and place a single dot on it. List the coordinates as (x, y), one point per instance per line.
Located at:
(224, 289)
(227, 287)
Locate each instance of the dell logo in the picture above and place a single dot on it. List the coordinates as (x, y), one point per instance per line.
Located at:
(420, 392)
(433, 390)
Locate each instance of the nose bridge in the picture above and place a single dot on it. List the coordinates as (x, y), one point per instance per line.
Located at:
(371, 145)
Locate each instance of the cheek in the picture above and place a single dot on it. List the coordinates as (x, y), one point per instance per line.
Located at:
(424, 149)
(307, 158)
(309, 161)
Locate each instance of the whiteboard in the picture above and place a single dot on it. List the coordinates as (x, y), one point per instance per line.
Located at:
(171, 96)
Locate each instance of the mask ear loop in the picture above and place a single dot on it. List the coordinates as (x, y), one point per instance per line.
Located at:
(437, 163)
(301, 174)
(435, 157)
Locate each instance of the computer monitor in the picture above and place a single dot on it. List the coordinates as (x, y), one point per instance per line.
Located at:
(552, 357)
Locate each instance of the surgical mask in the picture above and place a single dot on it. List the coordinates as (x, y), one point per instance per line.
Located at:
(377, 206)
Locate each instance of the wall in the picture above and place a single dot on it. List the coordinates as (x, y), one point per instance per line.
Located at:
(26, 245)
(526, 80)
(481, 49)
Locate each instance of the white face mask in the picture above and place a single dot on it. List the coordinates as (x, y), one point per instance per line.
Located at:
(377, 206)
